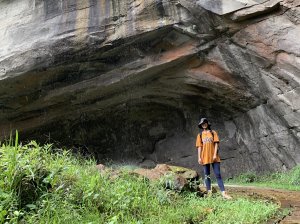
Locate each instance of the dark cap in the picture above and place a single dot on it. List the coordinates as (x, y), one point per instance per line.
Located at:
(203, 120)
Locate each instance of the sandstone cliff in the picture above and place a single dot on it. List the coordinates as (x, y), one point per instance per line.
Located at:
(128, 79)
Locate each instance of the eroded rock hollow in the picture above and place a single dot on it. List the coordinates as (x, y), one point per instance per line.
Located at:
(127, 80)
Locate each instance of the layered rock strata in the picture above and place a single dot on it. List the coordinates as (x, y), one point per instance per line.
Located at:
(128, 80)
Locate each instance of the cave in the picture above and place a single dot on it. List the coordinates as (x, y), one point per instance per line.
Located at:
(128, 81)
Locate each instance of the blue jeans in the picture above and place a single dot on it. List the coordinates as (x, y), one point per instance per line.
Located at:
(216, 168)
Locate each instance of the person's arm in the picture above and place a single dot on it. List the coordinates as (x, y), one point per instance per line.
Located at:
(216, 145)
(199, 155)
(199, 148)
(216, 150)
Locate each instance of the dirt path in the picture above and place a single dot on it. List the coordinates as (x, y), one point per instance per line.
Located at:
(286, 199)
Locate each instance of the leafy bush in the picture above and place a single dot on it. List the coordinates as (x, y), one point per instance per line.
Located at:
(294, 177)
(286, 180)
(248, 177)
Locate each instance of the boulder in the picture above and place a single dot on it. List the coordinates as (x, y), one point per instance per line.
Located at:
(174, 177)
(164, 169)
(186, 173)
(150, 174)
(177, 183)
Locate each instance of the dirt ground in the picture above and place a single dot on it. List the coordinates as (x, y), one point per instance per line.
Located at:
(285, 198)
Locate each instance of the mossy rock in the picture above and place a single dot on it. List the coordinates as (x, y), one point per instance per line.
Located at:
(178, 169)
(185, 172)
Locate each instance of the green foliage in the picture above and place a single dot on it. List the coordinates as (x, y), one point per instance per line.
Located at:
(294, 178)
(289, 180)
(248, 177)
(39, 184)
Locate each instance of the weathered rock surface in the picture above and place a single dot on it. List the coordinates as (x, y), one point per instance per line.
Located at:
(128, 80)
(174, 177)
(222, 7)
(255, 10)
(161, 170)
(171, 177)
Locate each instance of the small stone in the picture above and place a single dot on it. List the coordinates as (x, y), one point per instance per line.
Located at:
(100, 167)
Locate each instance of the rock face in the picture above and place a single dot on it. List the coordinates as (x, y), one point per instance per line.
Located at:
(128, 80)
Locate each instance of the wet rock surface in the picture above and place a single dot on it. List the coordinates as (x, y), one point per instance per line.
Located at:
(128, 80)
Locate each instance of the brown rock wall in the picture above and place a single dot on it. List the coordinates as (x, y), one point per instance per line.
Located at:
(128, 80)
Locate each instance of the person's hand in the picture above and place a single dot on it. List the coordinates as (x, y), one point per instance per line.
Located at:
(214, 157)
(200, 161)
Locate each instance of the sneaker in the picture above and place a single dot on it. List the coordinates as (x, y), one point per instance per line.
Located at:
(226, 196)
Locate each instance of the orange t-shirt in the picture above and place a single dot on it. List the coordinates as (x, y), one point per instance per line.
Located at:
(208, 146)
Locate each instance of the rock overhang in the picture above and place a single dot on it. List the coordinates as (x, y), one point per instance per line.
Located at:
(222, 7)
(137, 92)
(172, 62)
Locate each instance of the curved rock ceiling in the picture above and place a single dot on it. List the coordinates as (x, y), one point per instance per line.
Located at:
(127, 80)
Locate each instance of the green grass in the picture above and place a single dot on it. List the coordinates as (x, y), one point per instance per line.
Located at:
(40, 184)
(289, 180)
